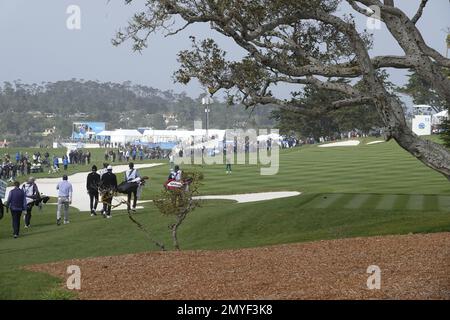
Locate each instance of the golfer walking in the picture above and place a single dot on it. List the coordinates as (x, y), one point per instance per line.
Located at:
(130, 175)
(109, 186)
(92, 184)
(64, 199)
(17, 203)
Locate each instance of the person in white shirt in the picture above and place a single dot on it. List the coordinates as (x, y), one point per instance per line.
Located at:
(178, 174)
(64, 199)
(130, 175)
(32, 194)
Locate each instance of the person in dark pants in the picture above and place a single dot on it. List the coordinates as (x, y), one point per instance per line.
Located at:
(17, 203)
(130, 175)
(108, 186)
(32, 195)
(92, 184)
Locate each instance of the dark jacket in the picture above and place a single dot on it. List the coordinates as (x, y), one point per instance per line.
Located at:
(93, 182)
(109, 181)
(17, 200)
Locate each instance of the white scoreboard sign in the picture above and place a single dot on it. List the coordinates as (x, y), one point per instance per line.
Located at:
(421, 125)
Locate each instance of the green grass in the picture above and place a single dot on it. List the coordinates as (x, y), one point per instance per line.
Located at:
(346, 192)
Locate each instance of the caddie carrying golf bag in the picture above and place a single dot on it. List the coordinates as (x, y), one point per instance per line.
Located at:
(130, 186)
(126, 187)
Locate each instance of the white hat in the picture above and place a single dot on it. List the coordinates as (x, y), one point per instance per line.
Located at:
(109, 167)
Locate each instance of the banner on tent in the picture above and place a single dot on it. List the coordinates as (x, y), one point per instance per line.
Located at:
(421, 125)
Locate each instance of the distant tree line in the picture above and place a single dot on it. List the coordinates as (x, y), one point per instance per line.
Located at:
(26, 110)
(318, 121)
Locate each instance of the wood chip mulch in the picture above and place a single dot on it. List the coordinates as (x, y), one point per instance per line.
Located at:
(412, 267)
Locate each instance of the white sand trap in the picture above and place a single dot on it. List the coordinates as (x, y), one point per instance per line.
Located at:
(349, 143)
(242, 198)
(375, 142)
(80, 198)
(252, 197)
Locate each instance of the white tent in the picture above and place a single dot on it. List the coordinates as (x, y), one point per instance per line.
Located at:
(105, 133)
(157, 136)
(439, 117)
(273, 136)
(442, 114)
(121, 136)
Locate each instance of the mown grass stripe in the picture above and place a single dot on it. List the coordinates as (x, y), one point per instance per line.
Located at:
(431, 203)
(327, 200)
(415, 202)
(401, 202)
(387, 202)
(357, 201)
(444, 203)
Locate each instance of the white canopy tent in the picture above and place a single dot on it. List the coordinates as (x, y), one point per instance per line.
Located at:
(438, 118)
(156, 136)
(121, 136)
(273, 136)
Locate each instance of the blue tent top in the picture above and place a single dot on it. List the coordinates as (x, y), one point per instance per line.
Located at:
(161, 145)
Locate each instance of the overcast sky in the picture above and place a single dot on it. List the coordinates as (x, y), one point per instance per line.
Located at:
(37, 46)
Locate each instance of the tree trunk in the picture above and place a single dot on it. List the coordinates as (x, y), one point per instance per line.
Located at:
(432, 154)
(175, 237)
(174, 228)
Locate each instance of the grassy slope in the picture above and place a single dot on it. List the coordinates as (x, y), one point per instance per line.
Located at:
(360, 191)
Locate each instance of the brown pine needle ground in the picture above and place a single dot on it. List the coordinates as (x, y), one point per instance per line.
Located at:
(412, 267)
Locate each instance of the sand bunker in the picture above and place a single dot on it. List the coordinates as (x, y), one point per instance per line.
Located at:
(349, 143)
(375, 142)
(252, 197)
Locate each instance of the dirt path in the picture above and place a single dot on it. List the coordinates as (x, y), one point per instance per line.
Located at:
(412, 267)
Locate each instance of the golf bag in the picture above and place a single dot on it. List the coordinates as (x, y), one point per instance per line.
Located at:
(106, 194)
(132, 185)
(172, 184)
(38, 202)
(126, 187)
